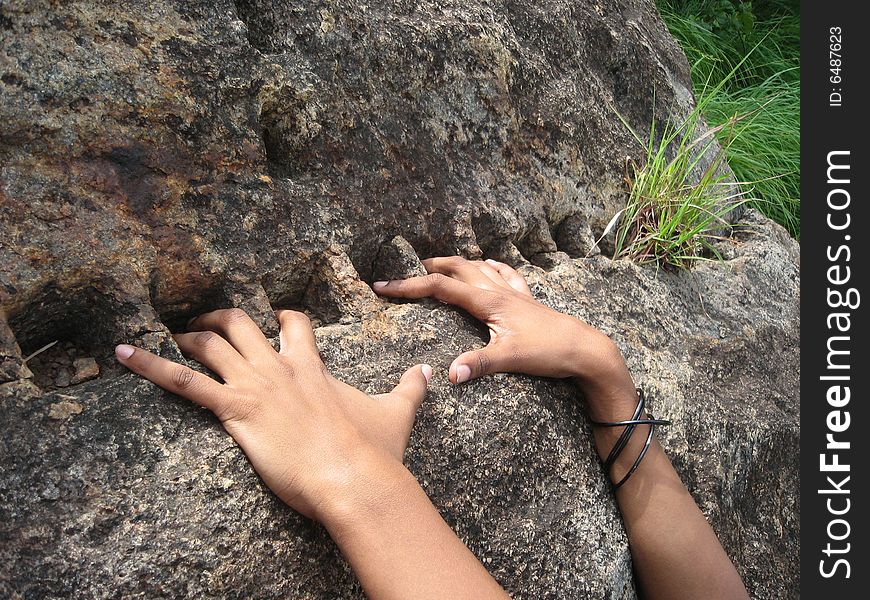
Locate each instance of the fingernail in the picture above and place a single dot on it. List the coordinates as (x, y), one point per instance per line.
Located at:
(427, 372)
(123, 351)
(463, 372)
(492, 262)
(380, 284)
(191, 320)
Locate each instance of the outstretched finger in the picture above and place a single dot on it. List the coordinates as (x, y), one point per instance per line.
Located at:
(173, 377)
(440, 287)
(214, 352)
(511, 276)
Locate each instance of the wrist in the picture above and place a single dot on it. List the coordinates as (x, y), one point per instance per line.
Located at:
(604, 379)
(374, 483)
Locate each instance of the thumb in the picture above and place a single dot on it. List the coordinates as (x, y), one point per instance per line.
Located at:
(405, 399)
(411, 388)
(474, 364)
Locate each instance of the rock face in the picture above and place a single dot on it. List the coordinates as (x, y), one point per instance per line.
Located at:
(165, 158)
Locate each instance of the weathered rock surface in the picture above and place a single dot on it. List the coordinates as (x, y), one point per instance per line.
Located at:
(161, 160)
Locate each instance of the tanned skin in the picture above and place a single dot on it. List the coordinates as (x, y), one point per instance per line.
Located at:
(335, 454)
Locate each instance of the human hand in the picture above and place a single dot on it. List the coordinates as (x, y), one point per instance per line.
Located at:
(525, 336)
(314, 440)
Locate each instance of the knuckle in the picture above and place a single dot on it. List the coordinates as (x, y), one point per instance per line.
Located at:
(206, 339)
(454, 261)
(285, 369)
(183, 378)
(518, 278)
(232, 316)
(435, 280)
(291, 317)
(237, 408)
(484, 363)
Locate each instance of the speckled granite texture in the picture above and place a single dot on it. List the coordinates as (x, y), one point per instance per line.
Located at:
(162, 158)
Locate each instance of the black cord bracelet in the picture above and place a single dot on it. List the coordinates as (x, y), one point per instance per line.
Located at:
(622, 441)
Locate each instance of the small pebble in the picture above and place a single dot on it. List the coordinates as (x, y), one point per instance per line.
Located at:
(85, 369)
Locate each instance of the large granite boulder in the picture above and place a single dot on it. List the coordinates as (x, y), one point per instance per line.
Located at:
(163, 158)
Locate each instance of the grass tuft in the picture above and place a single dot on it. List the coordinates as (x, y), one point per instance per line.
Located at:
(673, 216)
(745, 60)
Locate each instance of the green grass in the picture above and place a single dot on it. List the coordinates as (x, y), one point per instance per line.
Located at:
(673, 216)
(745, 62)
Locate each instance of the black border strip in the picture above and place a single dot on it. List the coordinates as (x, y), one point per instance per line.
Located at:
(835, 228)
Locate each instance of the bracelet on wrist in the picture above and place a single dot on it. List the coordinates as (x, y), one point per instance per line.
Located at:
(622, 441)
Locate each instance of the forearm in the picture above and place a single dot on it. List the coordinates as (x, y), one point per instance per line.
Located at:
(399, 546)
(676, 554)
(675, 551)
